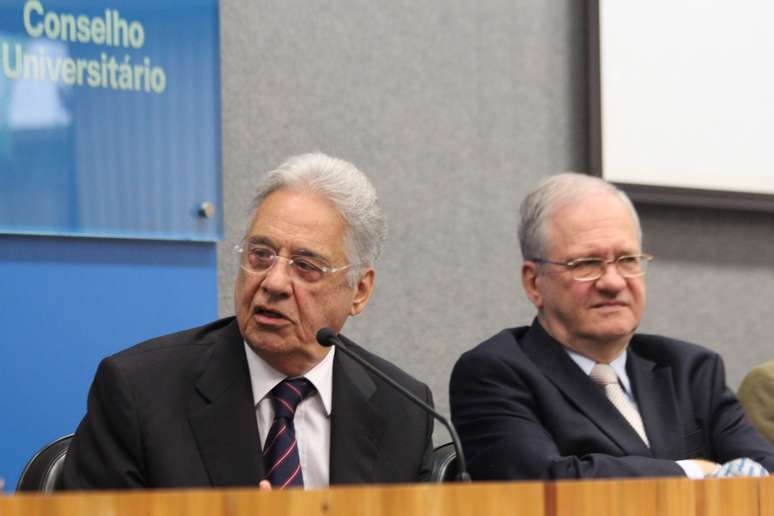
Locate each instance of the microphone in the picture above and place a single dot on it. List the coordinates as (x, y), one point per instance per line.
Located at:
(327, 337)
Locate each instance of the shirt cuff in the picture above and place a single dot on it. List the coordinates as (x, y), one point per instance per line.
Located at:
(691, 469)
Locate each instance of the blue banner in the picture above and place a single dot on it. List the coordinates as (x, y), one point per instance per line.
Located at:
(110, 119)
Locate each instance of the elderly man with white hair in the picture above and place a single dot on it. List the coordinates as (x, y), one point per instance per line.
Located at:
(580, 394)
(254, 399)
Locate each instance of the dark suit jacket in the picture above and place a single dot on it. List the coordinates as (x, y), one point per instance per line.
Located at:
(177, 411)
(525, 410)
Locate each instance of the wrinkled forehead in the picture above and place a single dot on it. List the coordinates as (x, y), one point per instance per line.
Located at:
(597, 222)
(290, 220)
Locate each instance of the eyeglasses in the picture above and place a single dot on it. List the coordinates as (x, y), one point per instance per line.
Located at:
(258, 259)
(591, 269)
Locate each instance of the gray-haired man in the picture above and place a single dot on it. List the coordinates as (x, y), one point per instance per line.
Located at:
(255, 398)
(579, 394)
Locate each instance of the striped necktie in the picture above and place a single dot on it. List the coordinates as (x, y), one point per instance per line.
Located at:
(280, 452)
(604, 375)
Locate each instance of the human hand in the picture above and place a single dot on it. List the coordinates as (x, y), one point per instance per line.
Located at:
(707, 466)
(264, 485)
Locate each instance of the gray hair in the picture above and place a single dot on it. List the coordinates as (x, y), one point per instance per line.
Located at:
(348, 189)
(553, 193)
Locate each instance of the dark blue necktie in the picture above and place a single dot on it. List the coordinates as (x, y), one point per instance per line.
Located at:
(280, 451)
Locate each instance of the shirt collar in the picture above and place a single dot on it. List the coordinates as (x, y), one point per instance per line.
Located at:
(264, 377)
(618, 365)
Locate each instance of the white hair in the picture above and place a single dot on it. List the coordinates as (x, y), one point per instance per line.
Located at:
(553, 193)
(348, 189)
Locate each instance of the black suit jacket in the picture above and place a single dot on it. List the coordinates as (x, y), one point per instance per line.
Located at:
(525, 410)
(177, 411)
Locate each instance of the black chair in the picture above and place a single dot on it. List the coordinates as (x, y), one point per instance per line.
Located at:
(444, 464)
(44, 470)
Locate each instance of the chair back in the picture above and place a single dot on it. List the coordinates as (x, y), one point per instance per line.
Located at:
(444, 463)
(43, 472)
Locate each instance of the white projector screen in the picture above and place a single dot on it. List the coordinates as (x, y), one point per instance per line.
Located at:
(685, 96)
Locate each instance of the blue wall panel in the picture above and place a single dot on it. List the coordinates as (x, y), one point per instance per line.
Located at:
(67, 302)
(91, 155)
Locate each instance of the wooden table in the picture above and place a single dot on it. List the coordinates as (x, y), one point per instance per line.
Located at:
(644, 497)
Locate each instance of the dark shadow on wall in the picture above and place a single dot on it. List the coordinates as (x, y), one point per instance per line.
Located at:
(577, 58)
(26, 249)
(708, 236)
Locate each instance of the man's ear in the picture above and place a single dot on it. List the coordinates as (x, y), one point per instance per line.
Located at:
(363, 289)
(529, 279)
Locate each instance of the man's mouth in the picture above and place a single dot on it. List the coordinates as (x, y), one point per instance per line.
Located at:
(609, 304)
(269, 313)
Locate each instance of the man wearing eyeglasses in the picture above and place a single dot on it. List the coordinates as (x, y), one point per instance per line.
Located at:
(254, 399)
(579, 394)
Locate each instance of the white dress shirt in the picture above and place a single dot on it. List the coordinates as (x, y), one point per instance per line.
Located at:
(312, 420)
(691, 469)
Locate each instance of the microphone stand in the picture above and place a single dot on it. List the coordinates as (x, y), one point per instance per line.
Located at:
(327, 337)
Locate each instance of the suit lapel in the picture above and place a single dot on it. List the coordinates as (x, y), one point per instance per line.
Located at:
(222, 414)
(654, 391)
(356, 424)
(580, 390)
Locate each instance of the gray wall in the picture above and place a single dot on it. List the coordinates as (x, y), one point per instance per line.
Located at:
(455, 109)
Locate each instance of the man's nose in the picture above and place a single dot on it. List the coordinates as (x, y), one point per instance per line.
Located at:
(611, 278)
(277, 278)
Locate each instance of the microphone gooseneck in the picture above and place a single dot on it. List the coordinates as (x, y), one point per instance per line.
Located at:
(328, 337)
